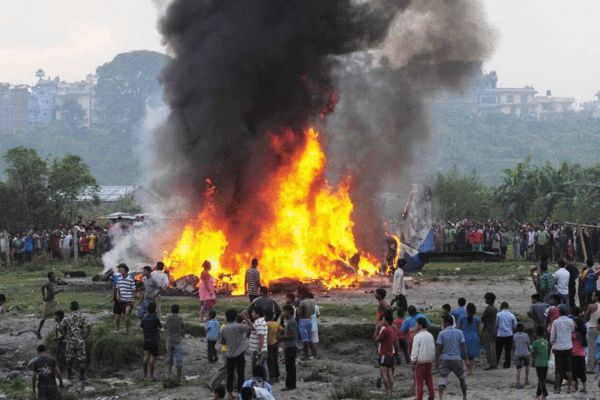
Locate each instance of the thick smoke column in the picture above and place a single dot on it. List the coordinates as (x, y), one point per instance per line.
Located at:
(244, 70)
(381, 120)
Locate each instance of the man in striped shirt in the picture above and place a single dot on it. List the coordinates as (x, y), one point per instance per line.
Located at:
(124, 297)
(258, 339)
(252, 281)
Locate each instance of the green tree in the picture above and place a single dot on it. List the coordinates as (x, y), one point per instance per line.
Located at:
(125, 84)
(459, 196)
(73, 113)
(27, 178)
(69, 179)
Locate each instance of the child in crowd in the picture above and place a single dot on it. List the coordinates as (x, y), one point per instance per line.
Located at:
(579, 341)
(174, 328)
(213, 329)
(273, 331)
(539, 354)
(521, 353)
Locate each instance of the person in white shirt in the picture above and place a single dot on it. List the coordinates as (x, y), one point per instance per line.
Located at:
(562, 282)
(422, 357)
(398, 286)
(562, 343)
(65, 245)
(163, 282)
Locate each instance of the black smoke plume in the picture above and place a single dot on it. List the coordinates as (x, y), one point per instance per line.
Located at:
(243, 70)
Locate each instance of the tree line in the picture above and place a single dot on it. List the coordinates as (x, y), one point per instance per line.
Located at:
(527, 192)
(40, 192)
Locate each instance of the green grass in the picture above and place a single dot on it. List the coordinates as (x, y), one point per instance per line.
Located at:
(476, 270)
(15, 389)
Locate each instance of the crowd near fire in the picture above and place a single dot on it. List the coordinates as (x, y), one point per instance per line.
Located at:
(269, 211)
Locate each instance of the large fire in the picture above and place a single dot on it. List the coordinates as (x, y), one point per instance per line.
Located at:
(309, 237)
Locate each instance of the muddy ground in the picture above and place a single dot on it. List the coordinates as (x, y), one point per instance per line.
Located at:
(348, 363)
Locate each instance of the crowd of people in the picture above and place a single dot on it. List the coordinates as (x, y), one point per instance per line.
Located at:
(530, 241)
(86, 239)
(562, 331)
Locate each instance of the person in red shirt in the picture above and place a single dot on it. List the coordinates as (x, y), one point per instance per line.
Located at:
(401, 342)
(386, 338)
(478, 240)
(553, 312)
(85, 244)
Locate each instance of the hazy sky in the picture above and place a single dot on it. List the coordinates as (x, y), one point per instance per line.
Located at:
(550, 44)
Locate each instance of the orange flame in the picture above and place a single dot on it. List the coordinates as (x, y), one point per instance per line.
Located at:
(309, 237)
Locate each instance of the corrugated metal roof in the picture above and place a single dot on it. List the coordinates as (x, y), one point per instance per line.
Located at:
(109, 193)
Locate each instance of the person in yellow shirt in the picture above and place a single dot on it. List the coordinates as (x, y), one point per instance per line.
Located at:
(92, 244)
(273, 333)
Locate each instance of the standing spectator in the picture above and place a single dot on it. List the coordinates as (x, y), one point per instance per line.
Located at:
(402, 344)
(385, 338)
(77, 328)
(17, 246)
(174, 328)
(266, 303)
(563, 277)
(50, 305)
(488, 330)
(592, 314)
(45, 372)
(382, 304)
(450, 346)
(5, 247)
(206, 291)
(588, 281)
(151, 291)
(124, 295)
(233, 336)
(573, 279)
(289, 337)
(163, 282)
(506, 322)
(55, 244)
(306, 308)
(408, 327)
(546, 283)
(459, 311)
(66, 244)
(92, 246)
(537, 311)
(469, 325)
(579, 341)
(521, 350)
(252, 281)
(562, 344)
(28, 247)
(539, 354)
(274, 330)
(151, 326)
(422, 357)
(213, 331)
(258, 339)
(398, 285)
(516, 244)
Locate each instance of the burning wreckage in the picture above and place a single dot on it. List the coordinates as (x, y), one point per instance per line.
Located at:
(281, 132)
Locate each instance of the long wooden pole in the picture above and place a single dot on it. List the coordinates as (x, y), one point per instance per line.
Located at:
(582, 243)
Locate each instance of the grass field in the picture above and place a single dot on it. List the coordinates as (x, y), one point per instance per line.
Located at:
(21, 285)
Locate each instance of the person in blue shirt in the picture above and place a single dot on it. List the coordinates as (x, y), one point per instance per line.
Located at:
(28, 247)
(459, 311)
(213, 330)
(449, 355)
(411, 321)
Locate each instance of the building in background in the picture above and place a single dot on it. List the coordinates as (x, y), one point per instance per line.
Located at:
(519, 102)
(75, 102)
(13, 107)
(41, 101)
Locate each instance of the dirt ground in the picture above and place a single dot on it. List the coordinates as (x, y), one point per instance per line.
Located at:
(341, 365)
